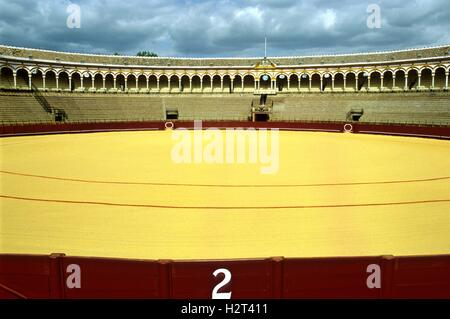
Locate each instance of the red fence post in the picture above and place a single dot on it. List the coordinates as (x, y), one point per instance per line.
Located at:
(56, 276)
(277, 277)
(165, 280)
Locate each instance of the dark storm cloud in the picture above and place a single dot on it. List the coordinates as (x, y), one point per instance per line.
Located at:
(224, 27)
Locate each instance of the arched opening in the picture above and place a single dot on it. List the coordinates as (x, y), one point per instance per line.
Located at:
(216, 83)
(87, 81)
(375, 81)
(131, 82)
(50, 80)
(413, 77)
(315, 82)
(226, 84)
(109, 82)
(338, 82)
(164, 83)
(37, 79)
(63, 80)
(152, 82)
(206, 83)
(439, 78)
(120, 82)
(237, 83)
(265, 82)
(400, 80)
(425, 81)
(304, 82)
(142, 82)
(388, 80)
(350, 82)
(293, 82)
(98, 81)
(326, 82)
(249, 83)
(362, 79)
(281, 82)
(185, 84)
(76, 81)
(6, 78)
(22, 79)
(196, 84)
(174, 83)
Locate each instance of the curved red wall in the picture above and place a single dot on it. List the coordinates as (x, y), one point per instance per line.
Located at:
(23, 276)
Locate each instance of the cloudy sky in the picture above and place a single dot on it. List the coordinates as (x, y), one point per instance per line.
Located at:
(215, 28)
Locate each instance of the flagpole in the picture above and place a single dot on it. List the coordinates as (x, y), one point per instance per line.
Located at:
(265, 47)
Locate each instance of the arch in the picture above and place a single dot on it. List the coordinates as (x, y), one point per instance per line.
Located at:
(109, 81)
(76, 81)
(350, 82)
(293, 82)
(131, 82)
(303, 82)
(238, 83)
(185, 84)
(375, 81)
(141, 82)
(362, 80)
(426, 78)
(327, 81)
(6, 77)
(413, 77)
(98, 81)
(50, 79)
(281, 82)
(216, 83)
(37, 79)
(400, 79)
(315, 82)
(196, 83)
(226, 83)
(249, 82)
(120, 82)
(164, 83)
(265, 84)
(63, 80)
(339, 82)
(152, 82)
(87, 81)
(206, 83)
(388, 79)
(439, 78)
(174, 81)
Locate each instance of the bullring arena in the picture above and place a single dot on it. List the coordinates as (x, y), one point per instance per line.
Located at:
(88, 176)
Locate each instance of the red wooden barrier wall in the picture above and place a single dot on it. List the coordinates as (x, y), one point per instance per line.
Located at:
(23, 276)
(387, 129)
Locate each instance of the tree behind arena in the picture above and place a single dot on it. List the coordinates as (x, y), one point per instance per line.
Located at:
(147, 54)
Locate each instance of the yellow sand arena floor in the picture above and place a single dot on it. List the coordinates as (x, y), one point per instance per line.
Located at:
(121, 195)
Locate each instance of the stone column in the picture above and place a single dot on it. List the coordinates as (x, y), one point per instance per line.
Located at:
(43, 81)
(446, 80)
(29, 80)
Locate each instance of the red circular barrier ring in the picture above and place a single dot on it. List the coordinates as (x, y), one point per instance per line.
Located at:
(348, 128)
(169, 125)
